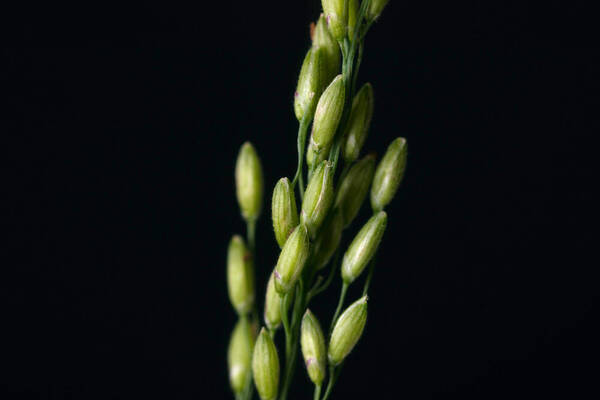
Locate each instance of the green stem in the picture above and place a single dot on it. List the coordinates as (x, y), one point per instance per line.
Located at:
(290, 361)
(302, 129)
(251, 234)
(368, 281)
(251, 238)
(315, 291)
(339, 306)
(317, 392)
(332, 378)
(286, 323)
(361, 47)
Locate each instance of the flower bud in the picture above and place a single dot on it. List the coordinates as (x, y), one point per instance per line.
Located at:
(348, 329)
(309, 84)
(265, 366)
(317, 198)
(313, 347)
(239, 355)
(363, 247)
(389, 174)
(283, 210)
(352, 16)
(337, 17)
(354, 188)
(375, 9)
(328, 239)
(240, 276)
(331, 57)
(249, 182)
(272, 305)
(328, 114)
(358, 124)
(291, 260)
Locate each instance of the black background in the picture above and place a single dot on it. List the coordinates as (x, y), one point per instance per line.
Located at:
(121, 199)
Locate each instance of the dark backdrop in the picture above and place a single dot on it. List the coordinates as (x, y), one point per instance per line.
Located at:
(121, 199)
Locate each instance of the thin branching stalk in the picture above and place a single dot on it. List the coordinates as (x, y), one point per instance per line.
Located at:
(310, 240)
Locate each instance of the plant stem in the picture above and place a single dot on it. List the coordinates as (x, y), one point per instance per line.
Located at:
(327, 282)
(291, 355)
(286, 323)
(339, 306)
(331, 382)
(368, 281)
(317, 392)
(251, 238)
(302, 129)
(361, 47)
(251, 234)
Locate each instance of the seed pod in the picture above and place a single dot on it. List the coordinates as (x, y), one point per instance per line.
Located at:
(240, 276)
(352, 16)
(337, 17)
(310, 84)
(358, 124)
(313, 347)
(389, 174)
(331, 59)
(328, 239)
(283, 211)
(265, 366)
(249, 182)
(363, 247)
(328, 114)
(375, 9)
(291, 260)
(348, 329)
(272, 305)
(354, 188)
(317, 198)
(239, 355)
